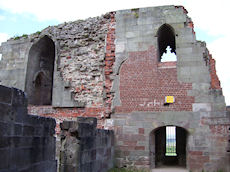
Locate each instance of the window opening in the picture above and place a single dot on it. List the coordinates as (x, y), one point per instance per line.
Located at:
(166, 41)
(170, 141)
(169, 56)
(0, 57)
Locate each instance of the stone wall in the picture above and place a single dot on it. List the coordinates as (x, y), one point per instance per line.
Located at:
(207, 138)
(142, 82)
(85, 148)
(26, 142)
(78, 67)
(139, 75)
(82, 79)
(228, 147)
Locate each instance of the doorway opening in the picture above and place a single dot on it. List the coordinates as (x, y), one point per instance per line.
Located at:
(168, 146)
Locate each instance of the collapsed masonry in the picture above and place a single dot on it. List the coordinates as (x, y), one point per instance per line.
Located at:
(111, 67)
(85, 148)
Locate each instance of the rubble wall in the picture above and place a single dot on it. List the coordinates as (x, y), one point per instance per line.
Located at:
(82, 79)
(27, 142)
(80, 49)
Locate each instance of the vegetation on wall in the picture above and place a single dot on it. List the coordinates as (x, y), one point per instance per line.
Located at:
(135, 12)
(19, 37)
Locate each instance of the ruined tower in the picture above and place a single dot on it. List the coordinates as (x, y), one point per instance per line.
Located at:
(164, 111)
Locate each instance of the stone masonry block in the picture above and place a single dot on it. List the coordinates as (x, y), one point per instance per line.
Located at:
(28, 130)
(6, 113)
(88, 120)
(5, 142)
(201, 107)
(66, 125)
(6, 95)
(19, 98)
(4, 159)
(130, 130)
(5, 129)
(120, 47)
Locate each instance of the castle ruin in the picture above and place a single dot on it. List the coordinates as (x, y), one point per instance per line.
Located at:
(113, 68)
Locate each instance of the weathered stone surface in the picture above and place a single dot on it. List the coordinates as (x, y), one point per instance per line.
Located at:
(28, 142)
(79, 60)
(87, 149)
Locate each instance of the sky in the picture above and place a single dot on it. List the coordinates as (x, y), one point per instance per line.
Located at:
(211, 21)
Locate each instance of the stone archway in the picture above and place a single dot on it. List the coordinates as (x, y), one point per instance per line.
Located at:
(165, 151)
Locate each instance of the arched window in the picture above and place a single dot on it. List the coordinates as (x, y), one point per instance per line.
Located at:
(39, 76)
(166, 43)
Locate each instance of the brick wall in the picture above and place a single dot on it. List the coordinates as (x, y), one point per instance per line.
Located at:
(69, 114)
(85, 148)
(26, 141)
(215, 82)
(109, 62)
(144, 83)
(61, 114)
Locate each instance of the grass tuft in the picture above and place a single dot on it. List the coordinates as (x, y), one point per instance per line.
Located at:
(127, 170)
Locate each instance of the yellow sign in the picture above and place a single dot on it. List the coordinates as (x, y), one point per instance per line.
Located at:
(169, 99)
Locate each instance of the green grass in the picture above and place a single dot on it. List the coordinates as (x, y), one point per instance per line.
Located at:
(136, 15)
(24, 36)
(38, 32)
(19, 37)
(16, 37)
(135, 12)
(170, 151)
(208, 171)
(127, 170)
(141, 170)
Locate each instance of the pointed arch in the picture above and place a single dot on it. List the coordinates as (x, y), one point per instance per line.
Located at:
(165, 38)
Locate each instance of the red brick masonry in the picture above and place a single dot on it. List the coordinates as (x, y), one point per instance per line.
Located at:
(109, 61)
(215, 82)
(144, 83)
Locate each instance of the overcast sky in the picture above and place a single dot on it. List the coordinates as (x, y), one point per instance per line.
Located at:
(211, 20)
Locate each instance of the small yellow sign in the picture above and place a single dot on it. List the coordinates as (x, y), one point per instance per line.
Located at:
(169, 99)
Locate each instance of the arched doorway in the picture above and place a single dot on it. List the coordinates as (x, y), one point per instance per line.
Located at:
(39, 76)
(168, 146)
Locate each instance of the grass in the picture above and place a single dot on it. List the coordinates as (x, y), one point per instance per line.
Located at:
(18, 37)
(141, 170)
(127, 170)
(208, 171)
(38, 33)
(24, 36)
(170, 151)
